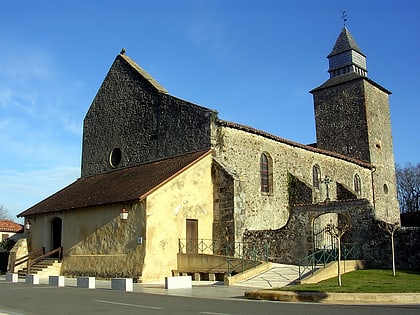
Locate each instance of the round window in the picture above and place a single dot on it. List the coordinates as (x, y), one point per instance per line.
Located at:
(115, 157)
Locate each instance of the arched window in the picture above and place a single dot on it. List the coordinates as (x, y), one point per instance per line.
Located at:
(266, 173)
(357, 184)
(316, 176)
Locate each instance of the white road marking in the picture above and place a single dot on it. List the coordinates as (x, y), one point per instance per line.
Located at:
(133, 305)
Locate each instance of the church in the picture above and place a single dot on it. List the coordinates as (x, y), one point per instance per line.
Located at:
(160, 174)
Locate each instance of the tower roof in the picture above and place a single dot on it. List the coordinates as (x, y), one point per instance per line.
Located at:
(346, 56)
(345, 42)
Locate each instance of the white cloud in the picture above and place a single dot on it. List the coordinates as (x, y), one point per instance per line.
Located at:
(208, 30)
(15, 100)
(21, 190)
(40, 130)
(22, 63)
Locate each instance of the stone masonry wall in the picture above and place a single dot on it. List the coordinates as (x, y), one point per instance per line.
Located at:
(352, 117)
(223, 207)
(240, 150)
(131, 115)
(382, 153)
(340, 119)
(295, 240)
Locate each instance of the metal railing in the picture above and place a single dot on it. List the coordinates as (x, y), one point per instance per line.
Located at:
(245, 250)
(244, 255)
(235, 266)
(33, 257)
(13, 262)
(33, 261)
(321, 257)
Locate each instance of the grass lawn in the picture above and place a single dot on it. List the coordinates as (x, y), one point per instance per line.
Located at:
(366, 281)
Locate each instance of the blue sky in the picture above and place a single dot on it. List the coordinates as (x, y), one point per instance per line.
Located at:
(252, 61)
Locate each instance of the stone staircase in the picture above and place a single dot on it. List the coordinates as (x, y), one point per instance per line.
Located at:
(44, 268)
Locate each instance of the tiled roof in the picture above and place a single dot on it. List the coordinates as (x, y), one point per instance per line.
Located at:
(292, 143)
(121, 185)
(344, 42)
(10, 226)
(147, 76)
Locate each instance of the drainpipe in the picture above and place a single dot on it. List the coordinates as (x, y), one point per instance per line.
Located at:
(373, 187)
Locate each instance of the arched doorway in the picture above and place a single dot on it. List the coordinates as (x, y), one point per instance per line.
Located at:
(56, 227)
(321, 238)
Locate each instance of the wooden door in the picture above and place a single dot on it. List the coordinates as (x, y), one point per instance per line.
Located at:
(192, 236)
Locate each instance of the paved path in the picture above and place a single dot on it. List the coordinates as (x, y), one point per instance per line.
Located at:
(279, 275)
(200, 289)
(254, 288)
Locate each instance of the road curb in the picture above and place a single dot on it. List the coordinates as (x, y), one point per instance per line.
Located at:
(335, 298)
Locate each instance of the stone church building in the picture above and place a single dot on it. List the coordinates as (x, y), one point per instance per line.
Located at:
(179, 172)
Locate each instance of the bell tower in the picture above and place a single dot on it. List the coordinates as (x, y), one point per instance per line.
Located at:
(352, 118)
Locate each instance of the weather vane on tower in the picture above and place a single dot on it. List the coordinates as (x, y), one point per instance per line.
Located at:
(344, 17)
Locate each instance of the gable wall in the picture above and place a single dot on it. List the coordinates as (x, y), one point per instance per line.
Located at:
(130, 114)
(187, 196)
(98, 243)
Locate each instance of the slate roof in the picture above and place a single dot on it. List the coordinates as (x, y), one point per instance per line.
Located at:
(10, 226)
(340, 79)
(345, 42)
(123, 185)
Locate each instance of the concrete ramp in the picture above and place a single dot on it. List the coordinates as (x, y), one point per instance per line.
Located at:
(279, 275)
(330, 270)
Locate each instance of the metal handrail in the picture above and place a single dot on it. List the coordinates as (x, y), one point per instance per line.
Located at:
(49, 254)
(240, 266)
(16, 262)
(249, 254)
(249, 251)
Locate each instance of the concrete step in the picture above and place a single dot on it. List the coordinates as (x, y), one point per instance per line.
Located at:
(44, 268)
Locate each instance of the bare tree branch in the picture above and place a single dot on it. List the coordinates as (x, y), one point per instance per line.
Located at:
(391, 228)
(408, 187)
(4, 214)
(337, 231)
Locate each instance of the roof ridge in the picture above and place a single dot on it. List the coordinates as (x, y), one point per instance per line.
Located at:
(128, 185)
(345, 42)
(146, 163)
(143, 73)
(293, 143)
(7, 225)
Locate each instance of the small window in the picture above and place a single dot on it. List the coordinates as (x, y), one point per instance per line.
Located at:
(357, 184)
(316, 176)
(115, 157)
(4, 236)
(266, 173)
(385, 189)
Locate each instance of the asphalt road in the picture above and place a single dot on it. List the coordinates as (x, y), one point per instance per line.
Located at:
(21, 298)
